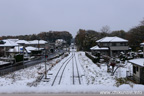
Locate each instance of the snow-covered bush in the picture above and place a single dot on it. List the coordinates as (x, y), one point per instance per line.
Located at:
(120, 81)
(93, 58)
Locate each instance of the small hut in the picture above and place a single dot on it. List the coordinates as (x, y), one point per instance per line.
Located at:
(138, 70)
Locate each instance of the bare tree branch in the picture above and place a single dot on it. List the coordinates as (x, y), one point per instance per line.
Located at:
(105, 29)
(142, 22)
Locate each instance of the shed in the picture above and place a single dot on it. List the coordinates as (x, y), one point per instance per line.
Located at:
(138, 70)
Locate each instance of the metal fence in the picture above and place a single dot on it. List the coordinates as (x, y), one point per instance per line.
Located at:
(25, 64)
(19, 65)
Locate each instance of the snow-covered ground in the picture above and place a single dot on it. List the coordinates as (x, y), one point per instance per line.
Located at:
(94, 79)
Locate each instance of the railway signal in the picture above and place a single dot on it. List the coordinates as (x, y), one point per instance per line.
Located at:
(46, 56)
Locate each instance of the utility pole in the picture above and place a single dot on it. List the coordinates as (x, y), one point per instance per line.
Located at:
(45, 69)
(23, 52)
(38, 44)
(45, 64)
(5, 51)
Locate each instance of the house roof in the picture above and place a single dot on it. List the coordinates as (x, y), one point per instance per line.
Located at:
(22, 41)
(30, 48)
(13, 40)
(139, 62)
(18, 49)
(8, 43)
(38, 41)
(60, 41)
(142, 44)
(98, 48)
(112, 39)
(3, 62)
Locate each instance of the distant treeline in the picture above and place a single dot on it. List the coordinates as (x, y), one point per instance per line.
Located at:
(85, 39)
(50, 36)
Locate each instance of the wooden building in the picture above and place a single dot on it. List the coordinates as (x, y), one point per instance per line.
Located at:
(138, 70)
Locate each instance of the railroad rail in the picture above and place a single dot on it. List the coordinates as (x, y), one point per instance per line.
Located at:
(75, 71)
(64, 63)
(75, 67)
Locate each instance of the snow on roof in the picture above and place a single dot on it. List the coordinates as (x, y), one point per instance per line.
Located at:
(13, 40)
(18, 49)
(30, 48)
(112, 39)
(37, 41)
(60, 40)
(15, 49)
(22, 41)
(98, 48)
(3, 62)
(142, 44)
(8, 43)
(139, 61)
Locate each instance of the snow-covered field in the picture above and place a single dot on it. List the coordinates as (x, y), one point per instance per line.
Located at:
(94, 79)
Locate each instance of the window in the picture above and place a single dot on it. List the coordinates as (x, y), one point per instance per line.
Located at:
(123, 44)
(137, 68)
(118, 44)
(104, 44)
(113, 44)
(134, 69)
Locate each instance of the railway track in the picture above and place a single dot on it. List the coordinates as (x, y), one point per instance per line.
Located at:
(75, 71)
(76, 74)
(61, 75)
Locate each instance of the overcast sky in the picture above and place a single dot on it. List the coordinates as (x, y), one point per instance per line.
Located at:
(21, 17)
